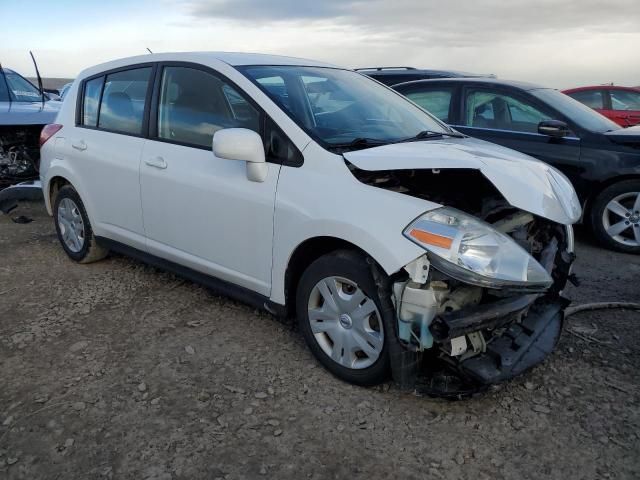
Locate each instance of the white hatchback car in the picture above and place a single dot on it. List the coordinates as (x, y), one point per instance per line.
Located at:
(313, 191)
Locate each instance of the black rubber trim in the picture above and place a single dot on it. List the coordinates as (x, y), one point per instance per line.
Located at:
(217, 285)
(476, 317)
(523, 346)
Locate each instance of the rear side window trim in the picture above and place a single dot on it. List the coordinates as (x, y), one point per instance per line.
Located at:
(145, 117)
(149, 127)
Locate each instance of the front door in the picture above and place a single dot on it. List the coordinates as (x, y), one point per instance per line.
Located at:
(510, 119)
(199, 210)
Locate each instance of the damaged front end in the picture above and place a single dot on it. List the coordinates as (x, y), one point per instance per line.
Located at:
(464, 337)
(19, 153)
(484, 303)
(19, 163)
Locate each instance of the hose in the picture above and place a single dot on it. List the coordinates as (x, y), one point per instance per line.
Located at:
(585, 307)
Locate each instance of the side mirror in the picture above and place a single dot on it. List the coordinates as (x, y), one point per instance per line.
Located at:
(245, 145)
(553, 128)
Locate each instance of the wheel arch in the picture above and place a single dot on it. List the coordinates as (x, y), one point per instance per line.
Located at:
(304, 255)
(600, 187)
(53, 187)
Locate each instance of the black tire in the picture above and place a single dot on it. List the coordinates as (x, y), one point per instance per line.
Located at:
(90, 251)
(354, 267)
(598, 209)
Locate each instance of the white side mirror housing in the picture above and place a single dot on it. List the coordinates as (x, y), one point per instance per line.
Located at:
(245, 145)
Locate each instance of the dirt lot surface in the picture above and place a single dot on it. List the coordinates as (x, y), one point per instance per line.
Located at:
(117, 370)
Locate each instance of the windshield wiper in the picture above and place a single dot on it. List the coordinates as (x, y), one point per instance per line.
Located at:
(427, 134)
(359, 143)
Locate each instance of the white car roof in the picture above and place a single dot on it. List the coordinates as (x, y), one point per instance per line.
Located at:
(232, 58)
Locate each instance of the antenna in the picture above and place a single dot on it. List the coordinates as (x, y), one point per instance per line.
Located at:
(6, 82)
(149, 50)
(39, 77)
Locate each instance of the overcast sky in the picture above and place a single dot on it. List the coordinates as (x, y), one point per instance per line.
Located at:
(555, 43)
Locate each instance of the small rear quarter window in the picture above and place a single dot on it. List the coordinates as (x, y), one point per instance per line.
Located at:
(92, 91)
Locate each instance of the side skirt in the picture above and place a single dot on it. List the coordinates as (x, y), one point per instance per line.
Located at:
(217, 285)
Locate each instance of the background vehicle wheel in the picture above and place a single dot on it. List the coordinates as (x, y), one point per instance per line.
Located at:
(615, 216)
(74, 229)
(341, 317)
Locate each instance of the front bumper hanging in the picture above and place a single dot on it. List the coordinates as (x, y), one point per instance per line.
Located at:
(523, 345)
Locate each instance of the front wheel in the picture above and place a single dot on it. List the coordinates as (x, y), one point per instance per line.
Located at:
(615, 216)
(339, 312)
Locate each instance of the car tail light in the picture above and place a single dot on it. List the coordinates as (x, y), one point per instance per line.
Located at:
(49, 131)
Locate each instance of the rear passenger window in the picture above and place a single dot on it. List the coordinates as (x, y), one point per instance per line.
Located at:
(123, 101)
(92, 91)
(436, 102)
(195, 104)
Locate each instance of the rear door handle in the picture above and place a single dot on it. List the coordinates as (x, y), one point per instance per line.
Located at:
(79, 145)
(156, 162)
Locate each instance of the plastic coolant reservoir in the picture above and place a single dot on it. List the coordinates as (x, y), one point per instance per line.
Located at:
(418, 306)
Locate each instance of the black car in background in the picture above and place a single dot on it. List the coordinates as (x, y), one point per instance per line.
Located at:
(601, 159)
(393, 75)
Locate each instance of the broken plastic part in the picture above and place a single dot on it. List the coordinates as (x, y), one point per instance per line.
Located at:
(418, 270)
(457, 346)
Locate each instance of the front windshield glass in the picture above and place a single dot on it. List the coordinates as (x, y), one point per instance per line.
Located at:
(338, 107)
(575, 111)
(20, 89)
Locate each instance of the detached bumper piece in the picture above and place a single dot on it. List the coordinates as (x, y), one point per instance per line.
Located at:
(29, 190)
(523, 346)
(532, 329)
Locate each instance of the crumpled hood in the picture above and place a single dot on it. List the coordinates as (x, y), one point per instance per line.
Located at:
(526, 183)
(29, 113)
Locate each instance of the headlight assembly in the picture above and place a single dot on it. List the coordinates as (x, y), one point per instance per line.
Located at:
(473, 252)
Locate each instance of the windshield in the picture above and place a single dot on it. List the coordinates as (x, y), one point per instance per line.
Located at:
(20, 89)
(575, 111)
(338, 107)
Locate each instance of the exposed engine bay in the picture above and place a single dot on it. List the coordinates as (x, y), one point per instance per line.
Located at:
(460, 337)
(19, 153)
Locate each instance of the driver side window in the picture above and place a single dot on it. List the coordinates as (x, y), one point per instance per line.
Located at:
(500, 111)
(195, 104)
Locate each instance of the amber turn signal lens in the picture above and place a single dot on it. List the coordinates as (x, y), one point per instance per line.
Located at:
(431, 238)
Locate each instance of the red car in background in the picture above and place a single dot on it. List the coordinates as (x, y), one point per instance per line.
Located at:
(620, 104)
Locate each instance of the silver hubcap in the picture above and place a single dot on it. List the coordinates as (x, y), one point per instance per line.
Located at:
(345, 323)
(621, 219)
(71, 225)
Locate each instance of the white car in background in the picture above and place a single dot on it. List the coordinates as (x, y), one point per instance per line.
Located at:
(313, 191)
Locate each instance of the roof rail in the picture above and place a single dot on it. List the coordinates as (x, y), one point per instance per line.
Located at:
(384, 68)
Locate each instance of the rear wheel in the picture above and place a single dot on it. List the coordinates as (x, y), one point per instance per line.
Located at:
(74, 229)
(615, 216)
(339, 312)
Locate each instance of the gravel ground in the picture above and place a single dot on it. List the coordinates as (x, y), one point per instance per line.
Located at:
(118, 370)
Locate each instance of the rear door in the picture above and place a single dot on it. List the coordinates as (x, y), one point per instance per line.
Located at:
(510, 117)
(201, 211)
(106, 148)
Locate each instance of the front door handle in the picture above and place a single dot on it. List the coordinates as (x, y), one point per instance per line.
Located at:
(156, 162)
(79, 145)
